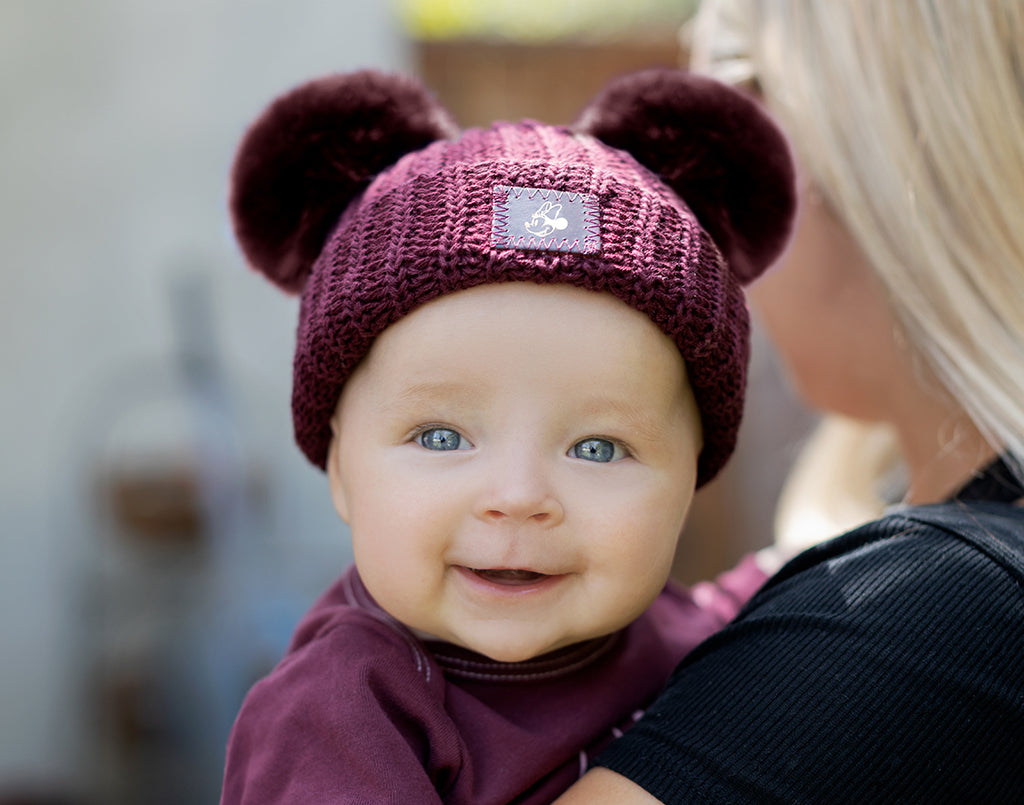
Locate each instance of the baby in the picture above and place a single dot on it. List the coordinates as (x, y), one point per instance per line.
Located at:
(520, 351)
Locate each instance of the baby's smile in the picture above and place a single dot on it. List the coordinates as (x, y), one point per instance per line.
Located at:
(511, 576)
(505, 580)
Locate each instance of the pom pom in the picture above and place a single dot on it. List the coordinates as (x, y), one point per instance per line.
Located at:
(311, 152)
(715, 147)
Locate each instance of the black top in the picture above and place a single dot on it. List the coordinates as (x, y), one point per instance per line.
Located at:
(886, 665)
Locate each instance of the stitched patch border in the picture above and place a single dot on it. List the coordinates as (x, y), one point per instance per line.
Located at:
(542, 219)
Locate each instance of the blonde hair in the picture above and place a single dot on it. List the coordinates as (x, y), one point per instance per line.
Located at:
(909, 117)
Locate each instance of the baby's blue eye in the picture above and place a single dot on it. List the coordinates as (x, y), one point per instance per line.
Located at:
(601, 450)
(440, 439)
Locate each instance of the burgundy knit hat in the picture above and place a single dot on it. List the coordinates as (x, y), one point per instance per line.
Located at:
(670, 192)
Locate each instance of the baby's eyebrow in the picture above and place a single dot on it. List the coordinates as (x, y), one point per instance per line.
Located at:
(640, 419)
(434, 391)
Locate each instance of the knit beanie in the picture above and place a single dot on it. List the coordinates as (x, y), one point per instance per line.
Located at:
(360, 193)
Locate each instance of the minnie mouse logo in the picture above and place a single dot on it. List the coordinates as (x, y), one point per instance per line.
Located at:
(546, 220)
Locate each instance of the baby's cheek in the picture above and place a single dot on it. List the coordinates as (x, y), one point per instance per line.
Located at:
(634, 581)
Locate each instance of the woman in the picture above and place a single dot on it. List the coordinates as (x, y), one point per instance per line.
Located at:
(887, 664)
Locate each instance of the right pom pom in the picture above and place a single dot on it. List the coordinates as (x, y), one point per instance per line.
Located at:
(715, 147)
(311, 152)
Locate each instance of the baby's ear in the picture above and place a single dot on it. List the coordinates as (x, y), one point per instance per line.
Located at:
(715, 147)
(311, 152)
(339, 495)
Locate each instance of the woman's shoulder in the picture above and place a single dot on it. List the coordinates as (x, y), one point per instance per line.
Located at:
(995, 529)
(908, 592)
(973, 538)
(894, 648)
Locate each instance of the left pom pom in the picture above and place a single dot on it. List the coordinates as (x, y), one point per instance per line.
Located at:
(311, 152)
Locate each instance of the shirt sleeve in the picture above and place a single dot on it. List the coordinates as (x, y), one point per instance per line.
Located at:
(348, 718)
(726, 595)
(881, 666)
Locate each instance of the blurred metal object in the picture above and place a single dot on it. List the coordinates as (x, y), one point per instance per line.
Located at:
(183, 598)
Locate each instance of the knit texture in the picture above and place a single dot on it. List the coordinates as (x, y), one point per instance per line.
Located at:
(437, 221)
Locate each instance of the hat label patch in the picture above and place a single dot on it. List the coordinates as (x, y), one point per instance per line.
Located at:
(540, 219)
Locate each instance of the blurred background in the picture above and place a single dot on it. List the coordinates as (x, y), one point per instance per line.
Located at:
(160, 534)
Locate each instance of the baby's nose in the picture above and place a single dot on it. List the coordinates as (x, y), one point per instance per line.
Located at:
(520, 491)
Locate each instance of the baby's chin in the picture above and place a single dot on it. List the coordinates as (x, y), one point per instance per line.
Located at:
(511, 651)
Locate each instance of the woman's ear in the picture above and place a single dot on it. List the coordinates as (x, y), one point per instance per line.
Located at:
(334, 477)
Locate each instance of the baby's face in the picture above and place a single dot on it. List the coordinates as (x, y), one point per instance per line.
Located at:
(516, 462)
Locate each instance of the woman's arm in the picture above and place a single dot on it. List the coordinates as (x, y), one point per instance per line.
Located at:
(599, 786)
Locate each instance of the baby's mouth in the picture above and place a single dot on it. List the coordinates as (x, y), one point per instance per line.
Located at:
(510, 576)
